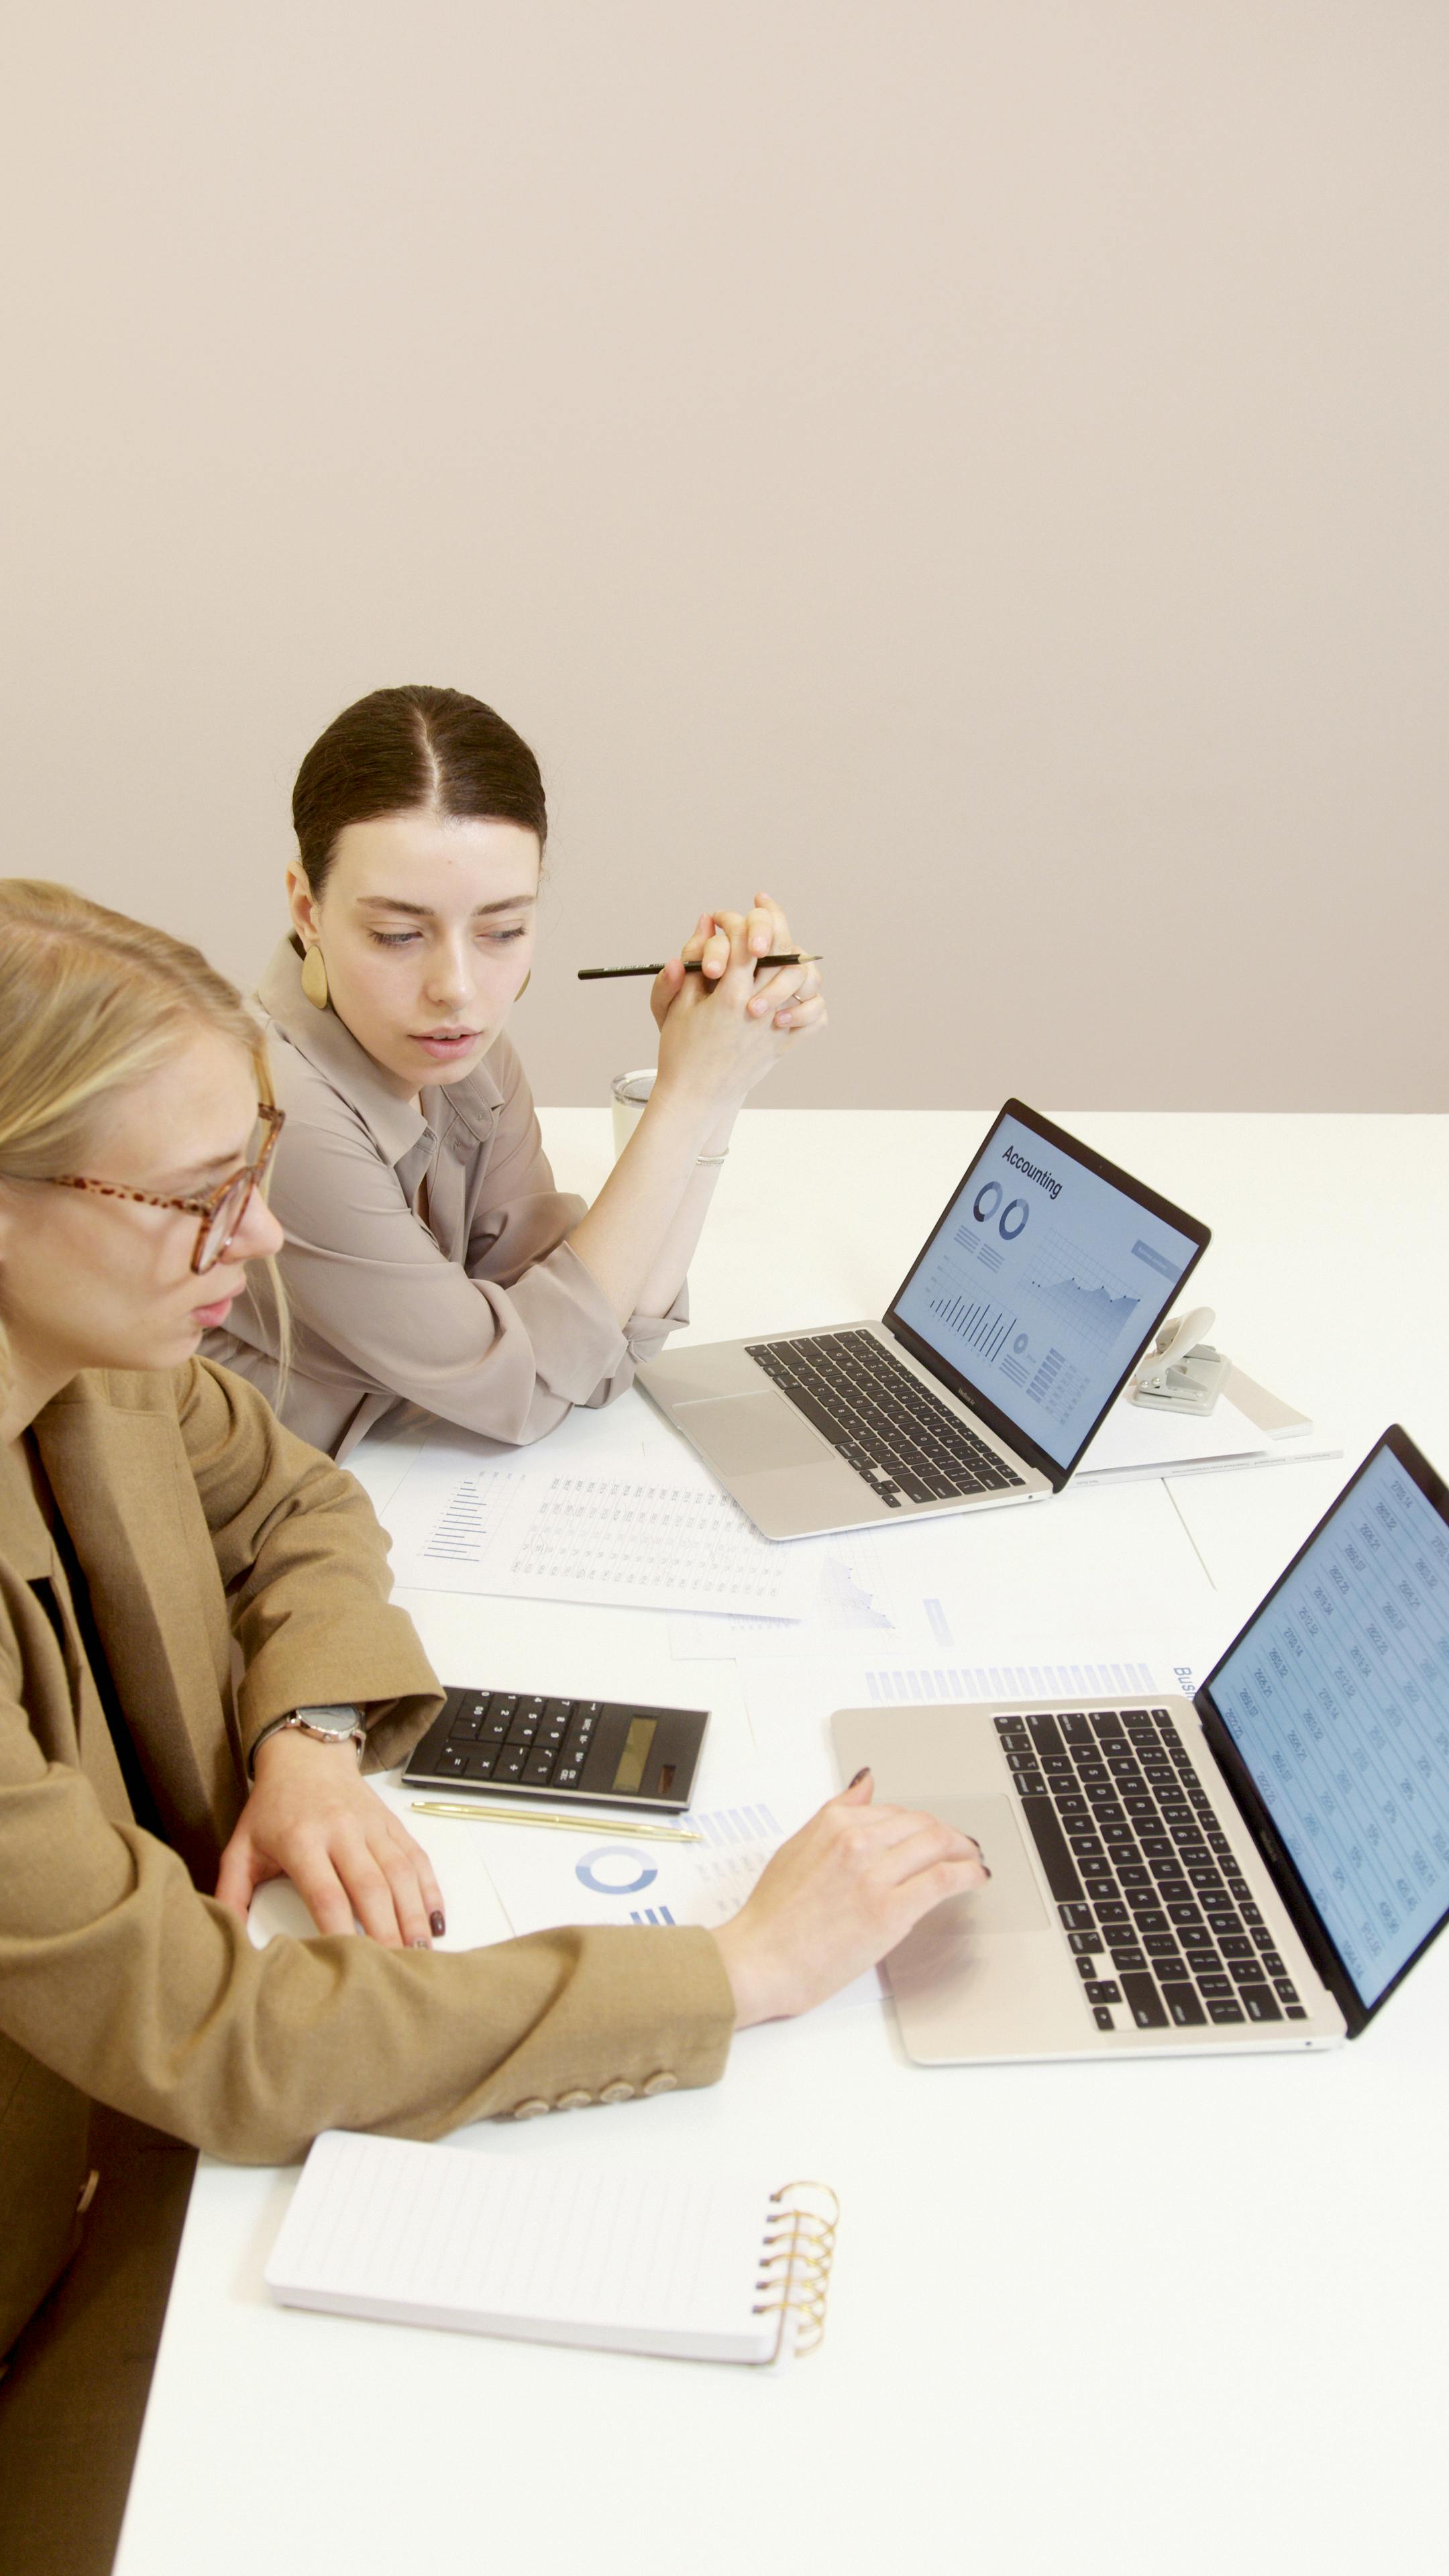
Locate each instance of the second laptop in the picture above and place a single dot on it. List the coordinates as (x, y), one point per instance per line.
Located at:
(1016, 1326)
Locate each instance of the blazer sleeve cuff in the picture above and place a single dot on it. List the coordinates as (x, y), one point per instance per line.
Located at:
(395, 1688)
(646, 2011)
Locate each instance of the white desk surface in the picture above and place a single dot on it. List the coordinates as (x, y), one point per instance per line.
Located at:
(1123, 2317)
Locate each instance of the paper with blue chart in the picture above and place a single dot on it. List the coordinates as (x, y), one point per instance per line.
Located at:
(741, 1820)
(542, 1881)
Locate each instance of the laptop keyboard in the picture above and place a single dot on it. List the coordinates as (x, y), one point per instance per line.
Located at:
(881, 1420)
(1154, 1909)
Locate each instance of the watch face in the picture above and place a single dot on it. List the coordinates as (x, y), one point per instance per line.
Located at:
(334, 1719)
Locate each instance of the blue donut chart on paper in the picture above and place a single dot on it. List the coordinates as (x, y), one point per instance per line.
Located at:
(585, 1871)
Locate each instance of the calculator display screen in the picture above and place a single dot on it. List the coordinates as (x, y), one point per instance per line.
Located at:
(630, 1773)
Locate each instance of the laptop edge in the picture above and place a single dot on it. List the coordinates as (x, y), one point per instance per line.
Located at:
(781, 1470)
(991, 1977)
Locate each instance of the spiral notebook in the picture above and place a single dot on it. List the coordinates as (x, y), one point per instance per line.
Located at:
(717, 2268)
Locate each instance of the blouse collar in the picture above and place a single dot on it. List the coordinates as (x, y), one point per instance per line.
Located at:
(394, 1124)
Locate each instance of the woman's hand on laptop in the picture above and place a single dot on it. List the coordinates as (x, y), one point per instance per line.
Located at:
(837, 1897)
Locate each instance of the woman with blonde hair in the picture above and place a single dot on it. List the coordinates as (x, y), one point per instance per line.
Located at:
(155, 1522)
(429, 1258)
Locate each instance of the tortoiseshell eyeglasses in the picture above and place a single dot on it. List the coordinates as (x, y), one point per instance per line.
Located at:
(221, 1212)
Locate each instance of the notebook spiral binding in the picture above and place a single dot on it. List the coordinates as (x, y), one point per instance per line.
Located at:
(795, 2261)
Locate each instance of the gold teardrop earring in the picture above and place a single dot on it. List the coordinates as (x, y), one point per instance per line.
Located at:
(523, 987)
(314, 978)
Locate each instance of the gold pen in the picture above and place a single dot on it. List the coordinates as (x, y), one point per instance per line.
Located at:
(547, 1816)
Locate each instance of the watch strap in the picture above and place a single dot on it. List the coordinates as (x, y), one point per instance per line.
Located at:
(302, 1722)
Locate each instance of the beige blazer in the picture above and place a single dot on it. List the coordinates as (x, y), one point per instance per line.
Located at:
(198, 1520)
(425, 1256)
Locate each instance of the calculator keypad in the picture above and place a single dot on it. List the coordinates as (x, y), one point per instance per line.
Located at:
(501, 1735)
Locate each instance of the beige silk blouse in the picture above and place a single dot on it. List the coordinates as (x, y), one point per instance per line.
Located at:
(425, 1260)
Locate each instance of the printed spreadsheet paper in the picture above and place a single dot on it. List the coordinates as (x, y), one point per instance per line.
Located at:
(983, 1587)
(550, 2251)
(460, 1522)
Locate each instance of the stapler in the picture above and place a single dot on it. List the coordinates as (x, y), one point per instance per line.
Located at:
(1182, 1373)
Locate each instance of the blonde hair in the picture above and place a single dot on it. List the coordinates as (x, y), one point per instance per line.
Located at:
(91, 1003)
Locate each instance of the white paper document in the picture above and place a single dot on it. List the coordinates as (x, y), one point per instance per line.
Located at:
(461, 1522)
(1142, 1440)
(542, 1878)
(852, 1597)
(948, 1587)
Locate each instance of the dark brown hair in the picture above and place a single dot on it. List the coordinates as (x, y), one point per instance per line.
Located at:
(400, 749)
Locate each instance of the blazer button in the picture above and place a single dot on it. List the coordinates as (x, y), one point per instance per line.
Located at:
(530, 2110)
(663, 2082)
(618, 2091)
(576, 2101)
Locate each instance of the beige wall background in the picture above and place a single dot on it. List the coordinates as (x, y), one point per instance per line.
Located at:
(975, 466)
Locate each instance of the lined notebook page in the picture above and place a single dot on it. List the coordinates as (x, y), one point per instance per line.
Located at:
(558, 2253)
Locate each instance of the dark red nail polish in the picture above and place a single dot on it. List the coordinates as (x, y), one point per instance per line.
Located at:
(437, 1926)
(862, 1774)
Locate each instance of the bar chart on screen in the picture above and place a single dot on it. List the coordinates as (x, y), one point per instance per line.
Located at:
(980, 1322)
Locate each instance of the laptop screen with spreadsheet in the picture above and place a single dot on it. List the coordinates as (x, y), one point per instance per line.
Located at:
(1335, 1699)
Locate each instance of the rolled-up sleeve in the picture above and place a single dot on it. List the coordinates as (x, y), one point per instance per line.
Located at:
(517, 1243)
(504, 1341)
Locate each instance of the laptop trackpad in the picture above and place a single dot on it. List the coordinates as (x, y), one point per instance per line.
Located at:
(1008, 1903)
(740, 1434)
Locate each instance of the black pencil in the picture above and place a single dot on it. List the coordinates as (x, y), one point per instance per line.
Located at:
(597, 974)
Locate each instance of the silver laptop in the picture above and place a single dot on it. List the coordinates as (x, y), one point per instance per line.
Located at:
(1016, 1326)
(1255, 1868)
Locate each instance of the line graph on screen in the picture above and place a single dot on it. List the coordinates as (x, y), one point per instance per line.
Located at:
(1087, 1302)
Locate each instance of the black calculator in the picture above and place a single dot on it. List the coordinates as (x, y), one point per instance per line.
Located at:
(520, 1744)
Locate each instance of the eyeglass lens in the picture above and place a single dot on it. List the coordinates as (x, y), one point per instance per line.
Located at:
(224, 1221)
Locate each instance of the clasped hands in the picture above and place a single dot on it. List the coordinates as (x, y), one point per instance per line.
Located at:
(722, 1030)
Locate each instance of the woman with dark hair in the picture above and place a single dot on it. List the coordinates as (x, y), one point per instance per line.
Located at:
(429, 1257)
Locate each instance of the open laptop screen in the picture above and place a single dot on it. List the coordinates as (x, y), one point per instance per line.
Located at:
(1336, 1697)
(1042, 1283)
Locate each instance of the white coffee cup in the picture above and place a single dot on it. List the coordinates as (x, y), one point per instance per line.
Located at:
(630, 1093)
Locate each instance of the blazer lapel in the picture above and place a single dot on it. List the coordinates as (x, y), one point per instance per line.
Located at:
(125, 1492)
